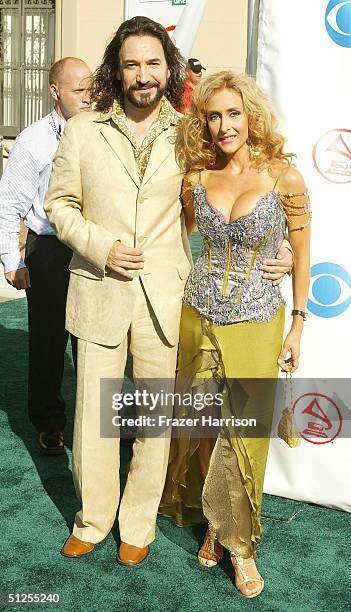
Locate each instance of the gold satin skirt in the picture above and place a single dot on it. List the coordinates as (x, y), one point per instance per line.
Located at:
(243, 355)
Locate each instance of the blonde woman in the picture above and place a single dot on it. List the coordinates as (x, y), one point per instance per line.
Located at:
(241, 191)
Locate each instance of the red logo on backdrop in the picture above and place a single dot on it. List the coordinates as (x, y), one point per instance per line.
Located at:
(170, 28)
(332, 156)
(317, 417)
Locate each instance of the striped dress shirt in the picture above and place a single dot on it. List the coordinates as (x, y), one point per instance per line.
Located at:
(24, 184)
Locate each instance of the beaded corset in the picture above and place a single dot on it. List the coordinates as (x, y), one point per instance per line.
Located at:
(226, 284)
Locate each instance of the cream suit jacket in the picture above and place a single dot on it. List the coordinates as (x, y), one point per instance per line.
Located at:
(95, 197)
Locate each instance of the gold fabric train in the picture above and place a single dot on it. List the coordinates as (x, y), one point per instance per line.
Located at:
(231, 496)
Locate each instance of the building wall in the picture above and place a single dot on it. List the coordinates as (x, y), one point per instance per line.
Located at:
(84, 27)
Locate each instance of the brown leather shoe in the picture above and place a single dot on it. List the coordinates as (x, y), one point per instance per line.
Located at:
(131, 555)
(76, 548)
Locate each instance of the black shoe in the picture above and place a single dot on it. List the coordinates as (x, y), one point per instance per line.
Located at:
(51, 443)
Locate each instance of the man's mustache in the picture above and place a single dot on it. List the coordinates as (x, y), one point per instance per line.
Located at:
(140, 86)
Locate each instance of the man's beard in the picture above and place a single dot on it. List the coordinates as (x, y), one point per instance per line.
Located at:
(146, 100)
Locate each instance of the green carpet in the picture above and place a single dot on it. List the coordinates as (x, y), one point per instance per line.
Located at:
(304, 562)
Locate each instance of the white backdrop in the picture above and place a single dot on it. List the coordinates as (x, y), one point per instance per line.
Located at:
(181, 18)
(162, 11)
(304, 64)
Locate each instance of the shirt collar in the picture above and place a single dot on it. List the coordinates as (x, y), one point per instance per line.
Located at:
(57, 118)
(168, 115)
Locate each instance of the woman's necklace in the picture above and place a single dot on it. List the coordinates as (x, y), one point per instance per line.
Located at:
(57, 130)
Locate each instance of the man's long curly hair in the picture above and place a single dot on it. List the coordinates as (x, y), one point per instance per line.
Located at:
(106, 87)
(194, 147)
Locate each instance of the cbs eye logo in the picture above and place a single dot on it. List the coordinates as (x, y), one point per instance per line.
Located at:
(326, 300)
(338, 22)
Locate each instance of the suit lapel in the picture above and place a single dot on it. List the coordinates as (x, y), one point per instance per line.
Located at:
(122, 148)
(161, 149)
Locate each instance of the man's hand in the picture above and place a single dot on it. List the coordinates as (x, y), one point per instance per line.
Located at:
(122, 258)
(275, 269)
(18, 278)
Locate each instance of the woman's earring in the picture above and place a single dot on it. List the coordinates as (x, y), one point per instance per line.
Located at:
(252, 151)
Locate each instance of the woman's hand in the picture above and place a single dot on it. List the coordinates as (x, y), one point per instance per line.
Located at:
(290, 353)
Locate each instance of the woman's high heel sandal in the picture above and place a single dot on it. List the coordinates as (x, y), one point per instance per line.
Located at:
(241, 576)
(211, 551)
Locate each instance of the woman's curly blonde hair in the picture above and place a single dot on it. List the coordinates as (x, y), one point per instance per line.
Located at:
(194, 147)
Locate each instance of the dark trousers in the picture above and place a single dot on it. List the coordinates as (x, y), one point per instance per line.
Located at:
(47, 260)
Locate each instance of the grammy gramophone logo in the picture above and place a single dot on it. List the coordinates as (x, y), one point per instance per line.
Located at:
(332, 156)
(318, 418)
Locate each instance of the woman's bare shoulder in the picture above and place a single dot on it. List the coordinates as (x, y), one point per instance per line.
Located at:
(290, 180)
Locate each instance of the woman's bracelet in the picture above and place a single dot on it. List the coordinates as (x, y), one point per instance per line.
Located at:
(299, 312)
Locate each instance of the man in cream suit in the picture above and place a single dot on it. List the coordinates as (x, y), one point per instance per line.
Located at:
(114, 199)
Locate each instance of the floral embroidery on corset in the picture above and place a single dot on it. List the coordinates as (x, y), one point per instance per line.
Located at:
(226, 284)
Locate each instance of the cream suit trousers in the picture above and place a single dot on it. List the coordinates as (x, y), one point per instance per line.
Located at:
(95, 459)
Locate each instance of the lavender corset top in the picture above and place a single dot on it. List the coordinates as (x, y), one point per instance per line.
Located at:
(226, 285)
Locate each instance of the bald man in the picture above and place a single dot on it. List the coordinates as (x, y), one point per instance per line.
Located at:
(44, 273)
